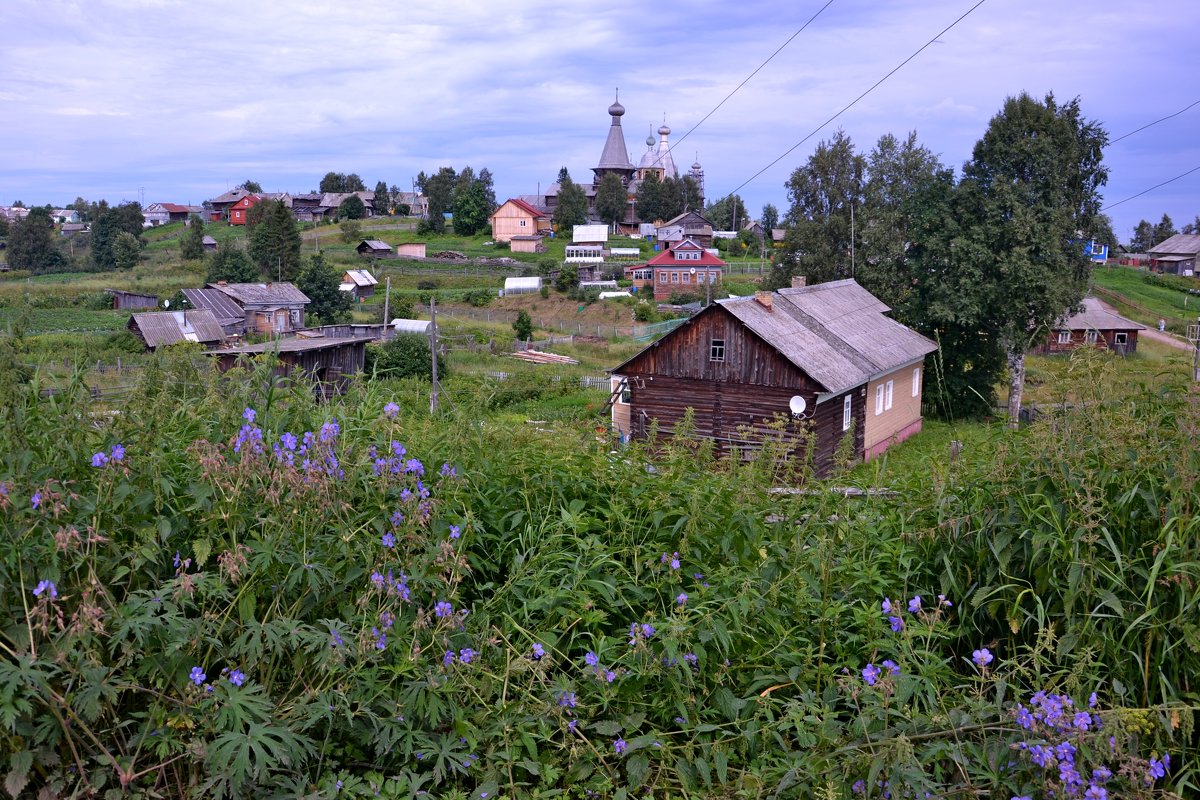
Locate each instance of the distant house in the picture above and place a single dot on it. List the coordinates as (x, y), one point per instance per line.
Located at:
(418, 204)
(72, 228)
(528, 285)
(1093, 326)
(374, 248)
(359, 283)
(239, 212)
(811, 357)
(220, 205)
(266, 307)
(688, 225)
(208, 243)
(1176, 255)
(685, 268)
(161, 328)
(410, 250)
(778, 235)
(517, 218)
(64, 215)
(157, 214)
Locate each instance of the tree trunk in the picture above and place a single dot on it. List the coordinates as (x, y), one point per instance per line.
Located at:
(1016, 386)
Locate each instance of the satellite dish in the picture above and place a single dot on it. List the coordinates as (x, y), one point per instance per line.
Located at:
(693, 270)
(797, 405)
(166, 303)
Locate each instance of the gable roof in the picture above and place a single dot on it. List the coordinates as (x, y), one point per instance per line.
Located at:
(159, 328)
(262, 293)
(374, 245)
(835, 332)
(361, 277)
(667, 257)
(1179, 244)
(219, 303)
(687, 216)
(528, 208)
(1095, 317)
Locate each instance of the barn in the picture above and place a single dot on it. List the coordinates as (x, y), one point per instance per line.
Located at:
(814, 357)
(328, 362)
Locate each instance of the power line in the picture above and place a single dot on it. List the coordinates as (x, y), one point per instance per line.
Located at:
(1151, 189)
(747, 79)
(854, 102)
(1152, 124)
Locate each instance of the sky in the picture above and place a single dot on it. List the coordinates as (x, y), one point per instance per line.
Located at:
(169, 101)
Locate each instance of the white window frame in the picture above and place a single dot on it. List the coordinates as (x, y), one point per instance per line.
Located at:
(1064, 337)
(879, 399)
(522, 222)
(916, 381)
(887, 397)
(674, 277)
(662, 277)
(1090, 336)
(716, 350)
(847, 412)
(1121, 338)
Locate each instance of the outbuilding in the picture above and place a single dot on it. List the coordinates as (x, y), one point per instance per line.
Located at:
(522, 285)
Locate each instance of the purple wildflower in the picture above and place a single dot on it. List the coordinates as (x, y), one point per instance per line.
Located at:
(860, 787)
(870, 674)
(942, 601)
(914, 605)
(682, 599)
(610, 676)
(896, 623)
(330, 431)
(36, 500)
(443, 609)
(1093, 701)
(46, 587)
(455, 531)
(466, 654)
(982, 657)
(237, 677)
(892, 667)
(448, 658)
(388, 540)
(591, 659)
(197, 676)
(566, 699)
(1083, 720)
(117, 453)
(381, 639)
(647, 630)
(1158, 768)
(249, 414)
(391, 410)
(887, 607)
(335, 638)
(538, 651)
(620, 746)
(99, 460)
(414, 466)
(691, 658)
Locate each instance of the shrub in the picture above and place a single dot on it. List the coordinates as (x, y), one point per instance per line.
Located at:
(479, 297)
(646, 312)
(544, 292)
(523, 325)
(405, 356)
(351, 230)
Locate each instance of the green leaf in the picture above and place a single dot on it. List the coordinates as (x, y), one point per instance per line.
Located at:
(202, 549)
(636, 767)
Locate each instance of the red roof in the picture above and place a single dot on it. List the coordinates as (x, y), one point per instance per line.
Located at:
(528, 209)
(667, 259)
(175, 208)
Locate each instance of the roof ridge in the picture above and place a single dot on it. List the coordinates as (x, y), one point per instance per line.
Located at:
(819, 328)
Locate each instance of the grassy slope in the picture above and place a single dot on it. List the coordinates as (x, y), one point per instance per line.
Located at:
(1177, 308)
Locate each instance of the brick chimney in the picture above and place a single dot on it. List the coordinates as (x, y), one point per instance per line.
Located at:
(798, 281)
(765, 299)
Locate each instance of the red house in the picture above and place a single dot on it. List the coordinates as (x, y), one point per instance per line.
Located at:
(239, 210)
(686, 268)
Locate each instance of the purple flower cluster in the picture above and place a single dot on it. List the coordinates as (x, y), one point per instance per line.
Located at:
(115, 455)
(640, 632)
(250, 436)
(449, 471)
(982, 657)
(670, 560)
(592, 660)
(391, 584)
(46, 587)
(538, 652)
(443, 609)
(391, 410)
(915, 606)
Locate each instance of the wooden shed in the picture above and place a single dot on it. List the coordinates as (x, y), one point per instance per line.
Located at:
(527, 244)
(161, 328)
(411, 249)
(804, 356)
(374, 248)
(130, 300)
(208, 243)
(360, 283)
(328, 362)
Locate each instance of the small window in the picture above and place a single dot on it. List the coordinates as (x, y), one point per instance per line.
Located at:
(687, 278)
(846, 413)
(1120, 338)
(674, 277)
(1064, 337)
(716, 350)
(916, 382)
(879, 399)
(1090, 336)
(887, 397)
(662, 277)
(522, 223)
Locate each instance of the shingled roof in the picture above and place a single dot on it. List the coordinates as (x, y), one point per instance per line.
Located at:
(1094, 317)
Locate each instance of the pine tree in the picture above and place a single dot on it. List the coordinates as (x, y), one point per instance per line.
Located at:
(191, 246)
(320, 284)
(572, 205)
(275, 243)
(611, 199)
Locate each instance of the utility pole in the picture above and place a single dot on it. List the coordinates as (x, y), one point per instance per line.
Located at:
(433, 397)
(387, 296)
(279, 269)
(851, 238)
(1194, 335)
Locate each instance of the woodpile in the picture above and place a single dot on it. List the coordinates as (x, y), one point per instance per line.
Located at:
(538, 357)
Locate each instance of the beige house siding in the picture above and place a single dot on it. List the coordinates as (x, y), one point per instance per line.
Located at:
(620, 411)
(903, 419)
(507, 222)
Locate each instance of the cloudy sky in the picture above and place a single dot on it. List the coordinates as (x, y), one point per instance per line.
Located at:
(177, 101)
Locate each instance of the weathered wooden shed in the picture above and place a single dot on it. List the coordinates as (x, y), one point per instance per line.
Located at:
(129, 300)
(360, 283)
(741, 364)
(208, 243)
(328, 362)
(528, 244)
(374, 248)
(161, 328)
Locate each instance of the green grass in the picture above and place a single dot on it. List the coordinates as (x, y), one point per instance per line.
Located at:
(1177, 308)
(65, 320)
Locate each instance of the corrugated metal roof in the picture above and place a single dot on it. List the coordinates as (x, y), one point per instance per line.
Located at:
(590, 233)
(361, 277)
(219, 303)
(161, 328)
(1095, 317)
(284, 294)
(375, 244)
(294, 344)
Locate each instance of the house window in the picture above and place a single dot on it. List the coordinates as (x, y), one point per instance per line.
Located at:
(716, 350)
(846, 413)
(916, 382)
(879, 399)
(1090, 336)
(674, 277)
(1120, 338)
(522, 223)
(662, 277)
(887, 397)
(1064, 337)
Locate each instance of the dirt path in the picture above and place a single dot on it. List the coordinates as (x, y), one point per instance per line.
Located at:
(1169, 339)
